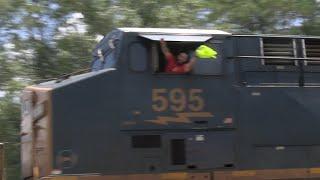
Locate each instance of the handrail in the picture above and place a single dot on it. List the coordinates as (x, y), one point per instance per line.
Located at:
(301, 69)
(274, 57)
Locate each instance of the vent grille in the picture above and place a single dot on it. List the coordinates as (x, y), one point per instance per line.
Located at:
(278, 47)
(312, 50)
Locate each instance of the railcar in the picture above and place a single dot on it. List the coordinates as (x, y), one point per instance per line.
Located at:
(250, 113)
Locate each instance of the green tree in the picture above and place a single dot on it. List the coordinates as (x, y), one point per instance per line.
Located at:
(165, 13)
(9, 134)
(263, 16)
(311, 24)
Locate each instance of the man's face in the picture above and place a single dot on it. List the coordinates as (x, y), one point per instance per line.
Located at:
(182, 58)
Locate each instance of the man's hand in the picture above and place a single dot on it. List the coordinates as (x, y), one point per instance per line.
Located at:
(189, 66)
(164, 47)
(162, 42)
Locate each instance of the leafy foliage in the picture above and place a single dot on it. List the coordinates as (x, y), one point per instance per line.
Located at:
(9, 134)
(263, 16)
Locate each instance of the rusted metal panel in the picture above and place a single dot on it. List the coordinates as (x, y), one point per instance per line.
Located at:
(36, 148)
(26, 134)
(283, 174)
(279, 174)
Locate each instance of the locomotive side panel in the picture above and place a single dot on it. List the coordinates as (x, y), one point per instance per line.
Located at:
(85, 127)
(253, 118)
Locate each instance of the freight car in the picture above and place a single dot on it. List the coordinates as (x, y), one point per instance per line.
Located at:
(250, 113)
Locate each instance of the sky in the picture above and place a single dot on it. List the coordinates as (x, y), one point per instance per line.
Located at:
(2, 94)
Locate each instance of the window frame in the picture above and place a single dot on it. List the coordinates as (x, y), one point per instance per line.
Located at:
(155, 60)
(113, 35)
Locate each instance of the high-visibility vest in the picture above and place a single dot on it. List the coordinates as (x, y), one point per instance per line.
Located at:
(204, 51)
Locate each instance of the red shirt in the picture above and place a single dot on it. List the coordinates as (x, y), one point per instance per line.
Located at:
(172, 65)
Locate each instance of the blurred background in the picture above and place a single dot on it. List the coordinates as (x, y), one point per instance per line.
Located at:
(42, 39)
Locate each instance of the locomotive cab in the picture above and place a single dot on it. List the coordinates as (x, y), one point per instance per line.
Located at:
(142, 49)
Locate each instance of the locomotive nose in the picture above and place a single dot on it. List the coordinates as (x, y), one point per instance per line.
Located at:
(35, 131)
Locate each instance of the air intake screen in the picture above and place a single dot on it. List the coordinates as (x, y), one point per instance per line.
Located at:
(312, 50)
(278, 47)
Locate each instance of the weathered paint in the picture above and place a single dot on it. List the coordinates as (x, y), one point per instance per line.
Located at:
(36, 137)
(246, 120)
(280, 174)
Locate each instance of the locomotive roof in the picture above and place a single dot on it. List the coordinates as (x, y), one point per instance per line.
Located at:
(278, 36)
(72, 79)
(174, 31)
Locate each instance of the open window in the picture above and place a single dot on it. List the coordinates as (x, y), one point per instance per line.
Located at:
(187, 44)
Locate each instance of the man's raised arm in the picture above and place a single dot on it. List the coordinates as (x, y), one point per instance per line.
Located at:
(165, 50)
(189, 66)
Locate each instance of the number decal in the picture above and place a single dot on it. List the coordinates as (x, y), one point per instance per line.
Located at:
(160, 102)
(177, 100)
(196, 101)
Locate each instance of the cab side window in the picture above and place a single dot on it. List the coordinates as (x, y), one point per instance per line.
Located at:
(106, 53)
(107, 60)
(203, 66)
(210, 66)
(138, 57)
(159, 60)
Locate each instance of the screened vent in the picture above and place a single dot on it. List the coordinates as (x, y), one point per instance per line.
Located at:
(278, 47)
(312, 50)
